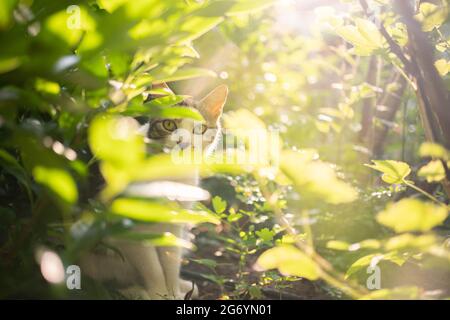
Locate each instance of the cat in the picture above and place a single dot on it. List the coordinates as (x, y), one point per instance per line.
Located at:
(154, 272)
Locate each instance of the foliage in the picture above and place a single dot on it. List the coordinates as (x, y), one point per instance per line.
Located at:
(75, 82)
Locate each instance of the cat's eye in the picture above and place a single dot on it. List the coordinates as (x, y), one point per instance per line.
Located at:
(200, 129)
(169, 125)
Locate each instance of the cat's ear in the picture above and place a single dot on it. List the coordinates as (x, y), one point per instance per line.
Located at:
(212, 105)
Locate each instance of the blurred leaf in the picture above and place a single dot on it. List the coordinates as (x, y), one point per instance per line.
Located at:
(219, 204)
(196, 27)
(166, 239)
(289, 261)
(6, 12)
(265, 234)
(373, 260)
(433, 171)
(116, 140)
(249, 6)
(442, 66)
(412, 215)
(48, 169)
(184, 74)
(345, 246)
(364, 36)
(163, 112)
(58, 181)
(409, 241)
(431, 16)
(46, 86)
(9, 63)
(400, 293)
(338, 245)
(433, 150)
(394, 172)
(150, 211)
(206, 262)
(69, 26)
(13, 167)
(316, 177)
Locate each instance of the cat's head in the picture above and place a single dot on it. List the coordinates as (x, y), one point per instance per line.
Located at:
(187, 133)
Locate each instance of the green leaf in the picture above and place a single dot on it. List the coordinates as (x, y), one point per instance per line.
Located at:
(13, 167)
(9, 63)
(338, 245)
(184, 74)
(431, 16)
(433, 171)
(166, 239)
(345, 246)
(316, 178)
(433, 150)
(163, 112)
(219, 204)
(394, 172)
(116, 140)
(48, 169)
(205, 262)
(373, 260)
(412, 215)
(6, 12)
(150, 211)
(45, 86)
(364, 36)
(197, 26)
(442, 66)
(265, 234)
(289, 261)
(249, 6)
(408, 241)
(58, 180)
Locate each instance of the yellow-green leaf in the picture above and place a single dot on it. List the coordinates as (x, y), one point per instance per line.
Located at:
(116, 140)
(151, 211)
(289, 261)
(165, 239)
(364, 36)
(58, 181)
(6, 12)
(412, 215)
(394, 172)
(373, 260)
(249, 6)
(433, 171)
(442, 66)
(316, 178)
(409, 241)
(433, 150)
(431, 16)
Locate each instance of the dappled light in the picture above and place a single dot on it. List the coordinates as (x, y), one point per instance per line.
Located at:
(225, 149)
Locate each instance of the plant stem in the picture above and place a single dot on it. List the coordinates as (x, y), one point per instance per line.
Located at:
(424, 193)
(328, 273)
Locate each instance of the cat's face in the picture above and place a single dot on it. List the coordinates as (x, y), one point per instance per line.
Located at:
(187, 133)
